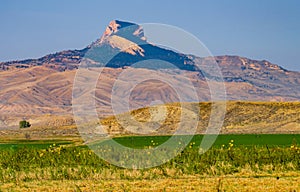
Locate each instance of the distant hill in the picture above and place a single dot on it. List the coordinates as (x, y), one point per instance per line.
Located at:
(241, 117)
(44, 86)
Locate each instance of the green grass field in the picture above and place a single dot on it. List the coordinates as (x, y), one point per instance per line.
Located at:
(43, 163)
(271, 140)
(37, 144)
(280, 140)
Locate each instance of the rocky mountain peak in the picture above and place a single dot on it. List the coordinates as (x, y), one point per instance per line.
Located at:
(127, 30)
(124, 36)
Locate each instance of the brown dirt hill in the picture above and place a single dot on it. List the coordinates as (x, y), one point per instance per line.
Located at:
(39, 90)
(36, 87)
(241, 117)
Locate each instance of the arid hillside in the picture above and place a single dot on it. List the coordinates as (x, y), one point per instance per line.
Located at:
(34, 88)
(240, 117)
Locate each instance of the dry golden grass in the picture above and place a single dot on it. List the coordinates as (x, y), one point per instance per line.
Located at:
(241, 117)
(229, 183)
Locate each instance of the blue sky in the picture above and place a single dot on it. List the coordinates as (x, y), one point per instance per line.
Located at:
(258, 29)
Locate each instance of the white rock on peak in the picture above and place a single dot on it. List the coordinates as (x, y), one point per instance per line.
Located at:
(124, 36)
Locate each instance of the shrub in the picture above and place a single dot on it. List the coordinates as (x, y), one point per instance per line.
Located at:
(24, 124)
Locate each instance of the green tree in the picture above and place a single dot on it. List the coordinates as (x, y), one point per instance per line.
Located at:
(24, 124)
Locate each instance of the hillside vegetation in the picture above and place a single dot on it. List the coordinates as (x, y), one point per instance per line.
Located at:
(241, 117)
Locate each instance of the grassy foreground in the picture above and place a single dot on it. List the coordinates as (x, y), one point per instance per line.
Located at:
(233, 183)
(234, 163)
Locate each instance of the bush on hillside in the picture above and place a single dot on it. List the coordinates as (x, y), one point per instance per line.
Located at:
(24, 124)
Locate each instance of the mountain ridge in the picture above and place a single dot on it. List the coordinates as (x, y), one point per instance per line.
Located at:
(112, 36)
(44, 85)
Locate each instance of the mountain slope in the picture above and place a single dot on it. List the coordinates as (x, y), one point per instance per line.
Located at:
(44, 86)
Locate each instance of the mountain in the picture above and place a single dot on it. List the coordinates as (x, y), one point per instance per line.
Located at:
(36, 87)
(125, 39)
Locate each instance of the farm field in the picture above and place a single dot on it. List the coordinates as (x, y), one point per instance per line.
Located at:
(234, 163)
